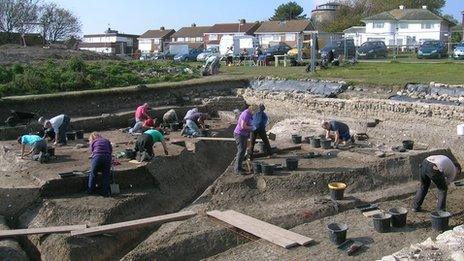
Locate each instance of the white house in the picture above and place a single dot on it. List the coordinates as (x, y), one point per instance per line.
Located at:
(154, 41)
(404, 26)
(289, 32)
(111, 42)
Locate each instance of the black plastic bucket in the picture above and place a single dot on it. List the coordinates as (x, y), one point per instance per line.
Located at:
(71, 135)
(291, 163)
(131, 154)
(257, 167)
(267, 169)
(337, 190)
(296, 139)
(408, 144)
(440, 220)
(382, 222)
(337, 232)
(326, 144)
(80, 134)
(399, 216)
(51, 151)
(315, 142)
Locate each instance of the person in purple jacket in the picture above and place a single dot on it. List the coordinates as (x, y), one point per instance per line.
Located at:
(241, 135)
(101, 160)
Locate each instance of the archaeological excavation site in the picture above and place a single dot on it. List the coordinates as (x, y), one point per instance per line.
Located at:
(311, 200)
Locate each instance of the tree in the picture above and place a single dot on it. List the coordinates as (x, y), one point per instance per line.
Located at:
(58, 23)
(288, 11)
(18, 16)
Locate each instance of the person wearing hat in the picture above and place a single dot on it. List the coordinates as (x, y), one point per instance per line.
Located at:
(141, 115)
(38, 147)
(145, 143)
(59, 125)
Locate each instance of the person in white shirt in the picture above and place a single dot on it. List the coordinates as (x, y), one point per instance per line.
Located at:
(442, 171)
(59, 125)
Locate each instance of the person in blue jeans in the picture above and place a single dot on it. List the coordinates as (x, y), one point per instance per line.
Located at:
(338, 131)
(101, 160)
(38, 147)
(259, 123)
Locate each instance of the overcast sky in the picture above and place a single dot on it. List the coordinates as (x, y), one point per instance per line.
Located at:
(137, 16)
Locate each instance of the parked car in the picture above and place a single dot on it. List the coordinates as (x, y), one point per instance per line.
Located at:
(191, 56)
(374, 49)
(208, 53)
(432, 49)
(459, 51)
(334, 49)
(279, 49)
(305, 50)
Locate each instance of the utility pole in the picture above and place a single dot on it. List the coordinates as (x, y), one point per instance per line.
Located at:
(313, 52)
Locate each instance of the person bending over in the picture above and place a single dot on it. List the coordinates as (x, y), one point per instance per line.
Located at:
(38, 147)
(440, 170)
(259, 123)
(337, 131)
(145, 143)
(59, 125)
(241, 135)
(101, 160)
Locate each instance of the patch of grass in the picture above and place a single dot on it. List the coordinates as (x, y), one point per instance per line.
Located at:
(371, 74)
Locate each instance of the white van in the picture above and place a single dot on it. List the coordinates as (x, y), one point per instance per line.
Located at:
(238, 43)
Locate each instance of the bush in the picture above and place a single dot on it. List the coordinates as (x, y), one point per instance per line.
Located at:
(5, 75)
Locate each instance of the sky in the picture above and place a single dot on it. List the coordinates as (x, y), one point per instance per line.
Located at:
(138, 16)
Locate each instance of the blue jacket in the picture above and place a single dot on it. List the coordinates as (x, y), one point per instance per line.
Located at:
(259, 121)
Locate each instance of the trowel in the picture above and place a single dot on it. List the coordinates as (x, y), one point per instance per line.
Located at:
(114, 187)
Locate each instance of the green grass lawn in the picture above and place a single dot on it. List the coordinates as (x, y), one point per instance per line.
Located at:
(372, 74)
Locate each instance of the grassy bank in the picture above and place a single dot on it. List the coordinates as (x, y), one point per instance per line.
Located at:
(372, 74)
(76, 74)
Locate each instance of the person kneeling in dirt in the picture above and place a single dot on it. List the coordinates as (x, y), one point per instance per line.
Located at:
(441, 170)
(141, 115)
(259, 122)
(170, 117)
(38, 147)
(337, 131)
(59, 125)
(101, 160)
(194, 124)
(145, 143)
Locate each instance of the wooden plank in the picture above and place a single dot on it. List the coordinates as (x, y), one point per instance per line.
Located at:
(220, 139)
(41, 230)
(254, 230)
(300, 239)
(121, 226)
(372, 212)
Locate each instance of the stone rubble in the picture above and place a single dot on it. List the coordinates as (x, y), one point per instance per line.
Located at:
(434, 91)
(447, 246)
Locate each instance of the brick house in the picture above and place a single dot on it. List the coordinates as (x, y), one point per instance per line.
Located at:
(215, 33)
(192, 36)
(275, 32)
(154, 41)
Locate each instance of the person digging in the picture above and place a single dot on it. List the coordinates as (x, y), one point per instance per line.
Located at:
(101, 160)
(440, 170)
(259, 122)
(241, 135)
(38, 147)
(337, 131)
(145, 144)
(58, 125)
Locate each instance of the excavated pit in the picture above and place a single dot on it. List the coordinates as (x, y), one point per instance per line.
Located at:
(199, 177)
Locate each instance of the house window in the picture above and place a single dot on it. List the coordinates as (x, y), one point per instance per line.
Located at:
(213, 37)
(199, 39)
(427, 25)
(156, 41)
(180, 39)
(404, 25)
(378, 25)
(290, 37)
(173, 39)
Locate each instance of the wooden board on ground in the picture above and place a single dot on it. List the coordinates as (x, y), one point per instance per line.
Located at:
(300, 239)
(220, 139)
(41, 230)
(264, 234)
(372, 212)
(116, 227)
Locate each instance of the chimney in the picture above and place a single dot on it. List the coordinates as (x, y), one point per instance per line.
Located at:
(401, 7)
(162, 28)
(242, 21)
(194, 25)
(424, 7)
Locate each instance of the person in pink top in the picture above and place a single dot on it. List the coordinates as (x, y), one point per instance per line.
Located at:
(241, 135)
(141, 115)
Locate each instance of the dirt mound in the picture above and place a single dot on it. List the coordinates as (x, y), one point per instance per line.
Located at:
(10, 53)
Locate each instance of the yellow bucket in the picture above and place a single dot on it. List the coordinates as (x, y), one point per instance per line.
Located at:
(337, 186)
